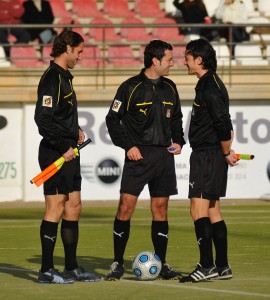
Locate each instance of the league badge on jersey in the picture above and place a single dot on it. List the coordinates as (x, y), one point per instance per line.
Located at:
(47, 101)
(116, 105)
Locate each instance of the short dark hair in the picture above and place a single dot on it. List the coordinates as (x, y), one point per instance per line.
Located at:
(155, 48)
(205, 50)
(66, 37)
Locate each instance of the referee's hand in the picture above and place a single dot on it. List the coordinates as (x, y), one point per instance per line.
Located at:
(134, 154)
(231, 159)
(69, 155)
(174, 149)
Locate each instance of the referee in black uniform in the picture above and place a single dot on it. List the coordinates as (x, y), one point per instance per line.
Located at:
(56, 116)
(145, 119)
(210, 136)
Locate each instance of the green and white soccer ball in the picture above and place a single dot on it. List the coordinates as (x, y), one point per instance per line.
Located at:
(146, 266)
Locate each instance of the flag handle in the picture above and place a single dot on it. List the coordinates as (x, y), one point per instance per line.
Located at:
(54, 167)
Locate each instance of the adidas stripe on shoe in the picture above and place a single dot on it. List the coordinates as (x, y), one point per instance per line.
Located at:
(201, 274)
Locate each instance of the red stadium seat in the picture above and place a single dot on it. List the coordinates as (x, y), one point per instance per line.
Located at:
(86, 8)
(66, 21)
(46, 51)
(167, 34)
(117, 8)
(121, 55)
(135, 33)
(148, 8)
(91, 57)
(178, 55)
(24, 56)
(59, 9)
(141, 53)
(98, 33)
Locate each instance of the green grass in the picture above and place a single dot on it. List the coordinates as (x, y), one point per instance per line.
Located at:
(249, 255)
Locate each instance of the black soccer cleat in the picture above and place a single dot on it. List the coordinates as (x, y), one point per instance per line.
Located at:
(168, 273)
(201, 274)
(54, 276)
(116, 272)
(80, 274)
(224, 273)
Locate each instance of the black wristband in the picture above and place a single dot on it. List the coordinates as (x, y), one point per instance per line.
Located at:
(227, 154)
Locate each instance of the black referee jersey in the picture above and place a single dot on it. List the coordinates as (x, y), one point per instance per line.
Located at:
(56, 109)
(145, 113)
(210, 119)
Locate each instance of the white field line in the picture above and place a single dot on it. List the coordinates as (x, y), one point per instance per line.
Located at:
(192, 287)
(176, 286)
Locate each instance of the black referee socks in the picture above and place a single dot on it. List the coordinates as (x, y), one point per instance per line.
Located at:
(48, 234)
(204, 234)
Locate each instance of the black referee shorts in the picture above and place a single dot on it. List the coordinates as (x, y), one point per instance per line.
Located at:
(67, 179)
(208, 174)
(157, 169)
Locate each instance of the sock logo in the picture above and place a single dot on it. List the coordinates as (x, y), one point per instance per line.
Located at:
(119, 234)
(50, 238)
(162, 234)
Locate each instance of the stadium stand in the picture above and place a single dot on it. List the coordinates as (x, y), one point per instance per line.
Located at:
(99, 34)
(248, 55)
(168, 34)
(147, 12)
(45, 53)
(148, 8)
(138, 34)
(117, 8)
(178, 55)
(25, 57)
(92, 57)
(66, 21)
(267, 52)
(3, 60)
(258, 33)
(122, 55)
(141, 53)
(223, 55)
(59, 9)
(237, 76)
(86, 9)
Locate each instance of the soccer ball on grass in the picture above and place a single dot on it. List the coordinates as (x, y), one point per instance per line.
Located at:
(146, 266)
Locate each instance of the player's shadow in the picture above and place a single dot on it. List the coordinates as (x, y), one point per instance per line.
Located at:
(18, 272)
(98, 265)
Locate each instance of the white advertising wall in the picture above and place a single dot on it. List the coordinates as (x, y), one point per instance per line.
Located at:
(102, 162)
(11, 140)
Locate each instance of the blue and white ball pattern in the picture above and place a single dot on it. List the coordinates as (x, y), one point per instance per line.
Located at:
(146, 266)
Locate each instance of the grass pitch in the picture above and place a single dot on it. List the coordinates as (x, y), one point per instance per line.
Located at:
(248, 225)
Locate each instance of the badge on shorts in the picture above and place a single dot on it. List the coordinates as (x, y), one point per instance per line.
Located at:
(116, 105)
(168, 113)
(47, 101)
